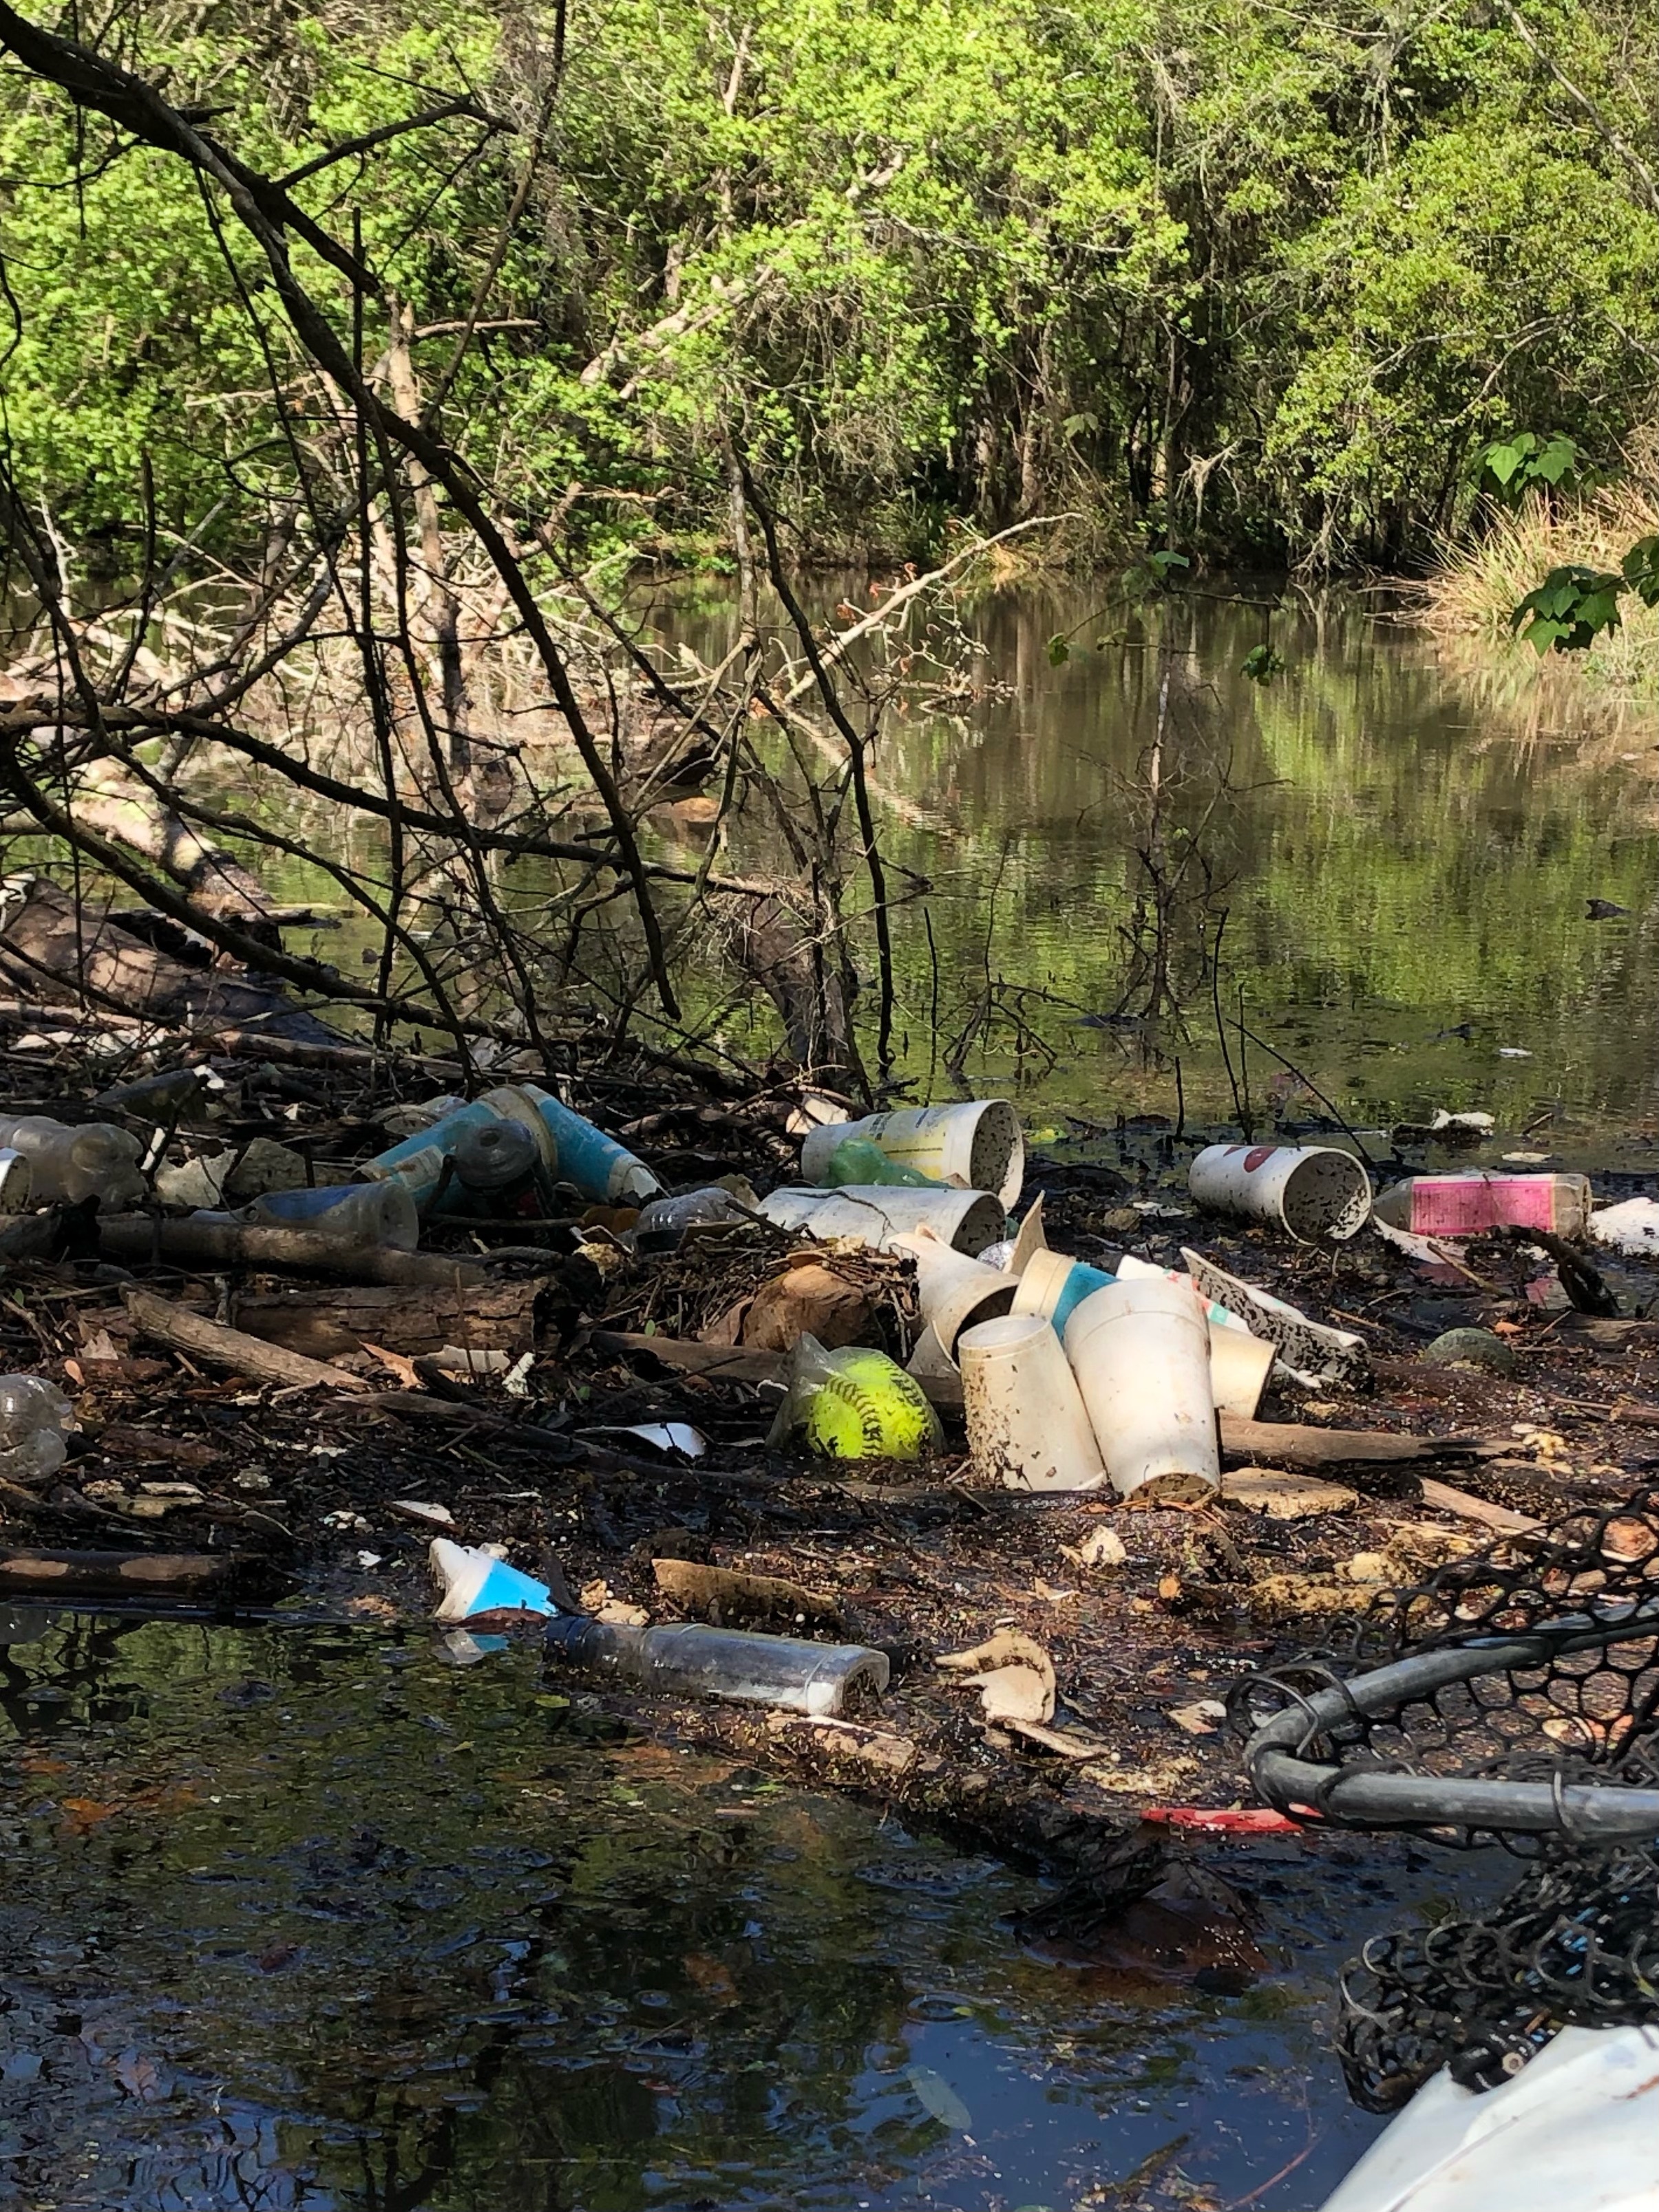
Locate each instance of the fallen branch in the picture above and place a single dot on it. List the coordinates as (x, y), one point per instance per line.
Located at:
(1295, 1443)
(106, 1574)
(180, 1330)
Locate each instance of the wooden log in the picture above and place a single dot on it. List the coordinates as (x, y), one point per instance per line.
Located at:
(183, 1331)
(108, 1574)
(48, 939)
(190, 1243)
(490, 1316)
(1295, 1443)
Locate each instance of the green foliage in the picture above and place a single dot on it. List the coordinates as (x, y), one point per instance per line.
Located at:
(1516, 465)
(1569, 610)
(1261, 664)
(1276, 283)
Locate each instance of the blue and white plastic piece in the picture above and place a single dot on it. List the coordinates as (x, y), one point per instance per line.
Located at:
(475, 1581)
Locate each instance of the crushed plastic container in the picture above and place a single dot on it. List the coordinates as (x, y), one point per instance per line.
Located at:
(33, 1414)
(1465, 1203)
(69, 1162)
(666, 1220)
(684, 1659)
(475, 1581)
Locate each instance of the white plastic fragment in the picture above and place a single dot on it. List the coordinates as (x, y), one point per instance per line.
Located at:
(1631, 1226)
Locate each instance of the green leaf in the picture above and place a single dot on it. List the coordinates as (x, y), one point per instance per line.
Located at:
(1641, 570)
(1261, 664)
(1060, 651)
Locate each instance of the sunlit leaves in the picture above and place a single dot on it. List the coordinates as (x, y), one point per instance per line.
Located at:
(1569, 610)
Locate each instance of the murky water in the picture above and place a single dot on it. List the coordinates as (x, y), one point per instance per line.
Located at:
(304, 1917)
(1404, 848)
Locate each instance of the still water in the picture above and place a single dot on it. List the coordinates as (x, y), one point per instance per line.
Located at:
(303, 1916)
(1404, 838)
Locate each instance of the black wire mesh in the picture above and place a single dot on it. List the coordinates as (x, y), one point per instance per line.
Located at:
(1581, 1715)
(1576, 1942)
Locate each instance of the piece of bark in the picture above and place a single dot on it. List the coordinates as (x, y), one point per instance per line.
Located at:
(104, 1574)
(489, 1316)
(725, 1597)
(190, 1243)
(1498, 1518)
(192, 1332)
(1284, 1496)
(1295, 1443)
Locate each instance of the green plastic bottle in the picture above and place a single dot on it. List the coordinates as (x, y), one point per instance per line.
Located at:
(859, 1161)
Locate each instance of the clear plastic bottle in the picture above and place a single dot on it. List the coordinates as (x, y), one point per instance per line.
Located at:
(666, 1220)
(32, 1414)
(376, 1215)
(687, 1660)
(69, 1161)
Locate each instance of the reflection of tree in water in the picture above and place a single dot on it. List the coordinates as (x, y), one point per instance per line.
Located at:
(649, 2023)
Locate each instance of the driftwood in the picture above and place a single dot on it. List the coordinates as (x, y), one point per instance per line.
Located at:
(107, 1574)
(1295, 1443)
(190, 1243)
(183, 1331)
(43, 941)
(1498, 1518)
(322, 1323)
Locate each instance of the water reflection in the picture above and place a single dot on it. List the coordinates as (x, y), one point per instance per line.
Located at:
(302, 1917)
(1398, 858)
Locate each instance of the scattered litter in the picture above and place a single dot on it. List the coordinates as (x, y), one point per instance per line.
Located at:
(1465, 1205)
(1013, 1674)
(940, 2100)
(1101, 1548)
(34, 1415)
(1307, 1348)
(1442, 1124)
(977, 1146)
(1312, 1192)
(417, 1508)
(685, 1659)
(1283, 1497)
(1513, 1052)
(1631, 1226)
(369, 1559)
(475, 1581)
(1203, 1718)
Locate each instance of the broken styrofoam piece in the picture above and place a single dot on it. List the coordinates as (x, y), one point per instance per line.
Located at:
(475, 1581)
(1466, 1125)
(1631, 1226)
(421, 1509)
(1306, 1347)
